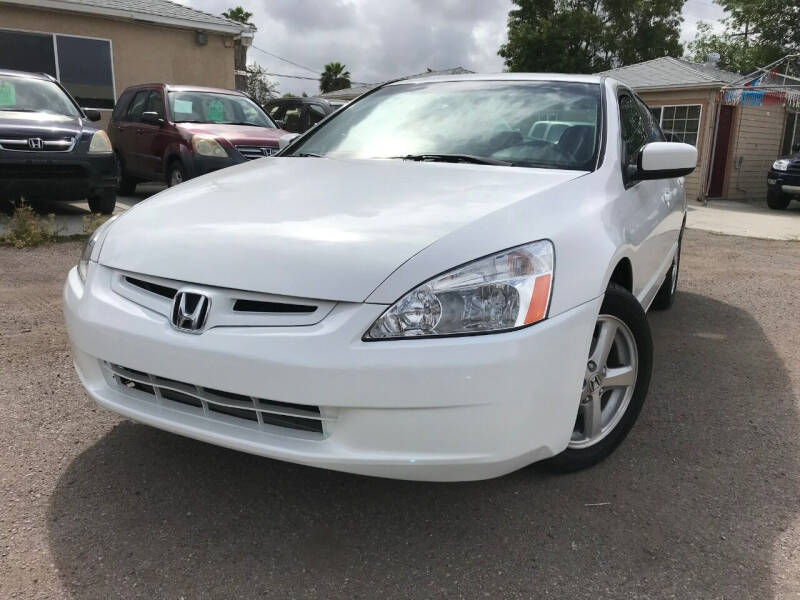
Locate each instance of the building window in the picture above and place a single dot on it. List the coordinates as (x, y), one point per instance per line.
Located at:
(679, 123)
(82, 65)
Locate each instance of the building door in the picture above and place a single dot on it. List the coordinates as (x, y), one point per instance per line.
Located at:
(721, 145)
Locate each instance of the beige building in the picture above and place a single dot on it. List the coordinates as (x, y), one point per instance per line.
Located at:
(97, 48)
(735, 144)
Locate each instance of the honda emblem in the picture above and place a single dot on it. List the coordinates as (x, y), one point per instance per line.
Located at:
(190, 311)
(35, 143)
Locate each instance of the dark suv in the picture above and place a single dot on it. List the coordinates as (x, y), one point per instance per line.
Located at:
(783, 180)
(48, 148)
(297, 115)
(175, 132)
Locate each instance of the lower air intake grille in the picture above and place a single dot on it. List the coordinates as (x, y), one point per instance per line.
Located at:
(299, 417)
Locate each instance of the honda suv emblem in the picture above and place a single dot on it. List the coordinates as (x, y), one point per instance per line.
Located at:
(190, 311)
(35, 143)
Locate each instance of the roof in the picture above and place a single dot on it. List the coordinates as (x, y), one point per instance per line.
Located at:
(184, 88)
(668, 72)
(160, 12)
(355, 91)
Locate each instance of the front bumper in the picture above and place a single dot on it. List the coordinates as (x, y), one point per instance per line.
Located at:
(445, 409)
(787, 182)
(64, 176)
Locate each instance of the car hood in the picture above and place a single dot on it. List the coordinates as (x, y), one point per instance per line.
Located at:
(235, 134)
(311, 227)
(45, 125)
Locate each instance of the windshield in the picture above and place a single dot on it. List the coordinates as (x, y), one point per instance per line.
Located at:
(526, 123)
(18, 94)
(210, 107)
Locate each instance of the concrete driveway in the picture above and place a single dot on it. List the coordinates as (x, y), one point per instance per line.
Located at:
(701, 501)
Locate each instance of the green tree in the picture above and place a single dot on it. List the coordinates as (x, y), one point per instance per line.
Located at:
(756, 34)
(259, 87)
(586, 36)
(238, 14)
(334, 77)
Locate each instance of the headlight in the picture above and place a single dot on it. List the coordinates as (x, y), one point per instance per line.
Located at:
(207, 146)
(100, 143)
(781, 164)
(96, 239)
(504, 291)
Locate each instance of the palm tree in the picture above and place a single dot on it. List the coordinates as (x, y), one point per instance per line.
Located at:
(238, 14)
(334, 77)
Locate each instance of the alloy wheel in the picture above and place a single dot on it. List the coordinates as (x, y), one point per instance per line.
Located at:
(175, 177)
(608, 383)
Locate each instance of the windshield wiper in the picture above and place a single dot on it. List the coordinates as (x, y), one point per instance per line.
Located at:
(455, 158)
(19, 110)
(307, 155)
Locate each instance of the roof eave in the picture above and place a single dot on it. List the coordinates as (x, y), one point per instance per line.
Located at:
(128, 15)
(677, 88)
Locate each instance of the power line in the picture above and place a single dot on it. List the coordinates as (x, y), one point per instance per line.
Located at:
(285, 60)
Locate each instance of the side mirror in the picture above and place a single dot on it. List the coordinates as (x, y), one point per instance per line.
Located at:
(151, 118)
(92, 114)
(796, 148)
(664, 160)
(287, 139)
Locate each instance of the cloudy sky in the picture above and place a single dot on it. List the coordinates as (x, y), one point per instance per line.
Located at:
(383, 39)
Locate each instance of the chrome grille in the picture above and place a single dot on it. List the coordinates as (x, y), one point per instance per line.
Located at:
(253, 152)
(265, 414)
(35, 144)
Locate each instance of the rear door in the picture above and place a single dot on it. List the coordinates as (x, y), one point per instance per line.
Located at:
(646, 207)
(150, 141)
(124, 131)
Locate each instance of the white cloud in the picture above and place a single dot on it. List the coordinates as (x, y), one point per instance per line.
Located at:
(382, 39)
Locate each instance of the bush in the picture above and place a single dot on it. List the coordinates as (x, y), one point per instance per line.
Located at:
(26, 228)
(92, 222)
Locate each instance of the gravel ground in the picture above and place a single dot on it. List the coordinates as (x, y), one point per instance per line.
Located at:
(701, 501)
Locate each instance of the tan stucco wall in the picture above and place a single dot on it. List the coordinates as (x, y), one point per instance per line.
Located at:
(142, 53)
(707, 99)
(756, 136)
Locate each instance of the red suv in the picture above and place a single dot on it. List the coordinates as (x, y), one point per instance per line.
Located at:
(175, 132)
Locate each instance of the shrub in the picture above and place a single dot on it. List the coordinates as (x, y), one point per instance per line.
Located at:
(26, 228)
(92, 222)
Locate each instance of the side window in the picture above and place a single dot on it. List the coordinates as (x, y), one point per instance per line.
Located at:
(654, 133)
(315, 114)
(155, 103)
(137, 106)
(122, 106)
(634, 133)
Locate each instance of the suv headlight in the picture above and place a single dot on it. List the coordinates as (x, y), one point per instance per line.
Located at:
(782, 164)
(205, 145)
(95, 240)
(100, 143)
(500, 292)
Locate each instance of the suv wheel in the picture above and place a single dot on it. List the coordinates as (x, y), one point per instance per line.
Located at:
(103, 202)
(176, 173)
(615, 383)
(777, 200)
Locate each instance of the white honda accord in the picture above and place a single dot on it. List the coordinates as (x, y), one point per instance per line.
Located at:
(445, 280)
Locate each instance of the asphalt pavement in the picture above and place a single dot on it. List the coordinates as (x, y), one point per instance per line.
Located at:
(701, 501)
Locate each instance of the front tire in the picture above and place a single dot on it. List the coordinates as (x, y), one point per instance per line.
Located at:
(176, 173)
(126, 185)
(103, 202)
(777, 200)
(615, 383)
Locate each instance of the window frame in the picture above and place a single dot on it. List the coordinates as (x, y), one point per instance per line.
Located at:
(661, 108)
(53, 35)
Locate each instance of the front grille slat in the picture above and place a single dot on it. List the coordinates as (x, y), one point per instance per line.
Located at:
(261, 306)
(154, 288)
(64, 144)
(264, 412)
(253, 152)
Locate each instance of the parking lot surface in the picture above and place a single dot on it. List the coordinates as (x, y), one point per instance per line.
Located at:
(701, 501)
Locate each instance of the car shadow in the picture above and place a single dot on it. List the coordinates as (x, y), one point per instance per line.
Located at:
(689, 506)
